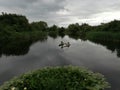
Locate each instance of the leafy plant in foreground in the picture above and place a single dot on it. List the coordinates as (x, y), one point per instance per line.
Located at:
(58, 78)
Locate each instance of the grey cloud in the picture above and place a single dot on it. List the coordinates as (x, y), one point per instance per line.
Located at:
(16, 3)
(60, 11)
(30, 1)
(87, 8)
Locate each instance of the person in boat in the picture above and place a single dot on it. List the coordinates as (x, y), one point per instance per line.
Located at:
(61, 44)
(67, 44)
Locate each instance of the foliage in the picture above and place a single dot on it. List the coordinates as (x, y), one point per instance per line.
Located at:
(58, 78)
(73, 29)
(10, 24)
(39, 26)
(104, 36)
(53, 31)
(13, 22)
(113, 26)
(61, 31)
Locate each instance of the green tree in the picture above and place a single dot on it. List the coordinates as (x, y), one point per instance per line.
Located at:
(73, 29)
(40, 26)
(17, 22)
(53, 31)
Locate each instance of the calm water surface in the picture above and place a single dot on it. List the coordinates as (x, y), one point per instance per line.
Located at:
(81, 53)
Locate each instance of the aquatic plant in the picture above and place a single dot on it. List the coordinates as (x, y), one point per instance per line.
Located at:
(58, 78)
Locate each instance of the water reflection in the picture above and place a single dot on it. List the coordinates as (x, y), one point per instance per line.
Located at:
(41, 54)
(113, 46)
(21, 47)
(16, 47)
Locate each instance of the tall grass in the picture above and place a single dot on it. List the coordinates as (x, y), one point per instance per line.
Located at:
(103, 36)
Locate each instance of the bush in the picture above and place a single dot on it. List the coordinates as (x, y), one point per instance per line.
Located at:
(58, 78)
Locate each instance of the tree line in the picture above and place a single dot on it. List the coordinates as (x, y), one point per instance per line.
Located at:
(18, 25)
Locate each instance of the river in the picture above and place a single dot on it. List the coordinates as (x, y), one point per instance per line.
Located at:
(96, 57)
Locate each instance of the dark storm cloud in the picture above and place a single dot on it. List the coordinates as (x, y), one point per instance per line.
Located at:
(63, 12)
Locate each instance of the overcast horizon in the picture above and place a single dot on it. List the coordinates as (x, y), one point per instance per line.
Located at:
(64, 12)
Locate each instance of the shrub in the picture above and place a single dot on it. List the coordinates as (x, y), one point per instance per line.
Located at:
(58, 78)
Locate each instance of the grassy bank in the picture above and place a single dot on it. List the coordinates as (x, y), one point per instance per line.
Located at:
(58, 78)
(103, 36)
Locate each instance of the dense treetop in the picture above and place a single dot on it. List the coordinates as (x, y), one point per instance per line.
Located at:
(14, 22)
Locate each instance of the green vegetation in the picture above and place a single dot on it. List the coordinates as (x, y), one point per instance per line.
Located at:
(104, 36)
(58, 78)
(16, 34)
(13, 23)
(12, 26)
(53, 31)
(104, 32)
(39, 26)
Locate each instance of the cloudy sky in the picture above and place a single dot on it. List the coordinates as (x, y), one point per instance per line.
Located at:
(64, 12)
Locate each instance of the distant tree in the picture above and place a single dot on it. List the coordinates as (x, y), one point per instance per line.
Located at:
(85, 28)
(16, 22)
(41, 26)
(113, 26)
(53, 31)
(73, 29)
(61, 31)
